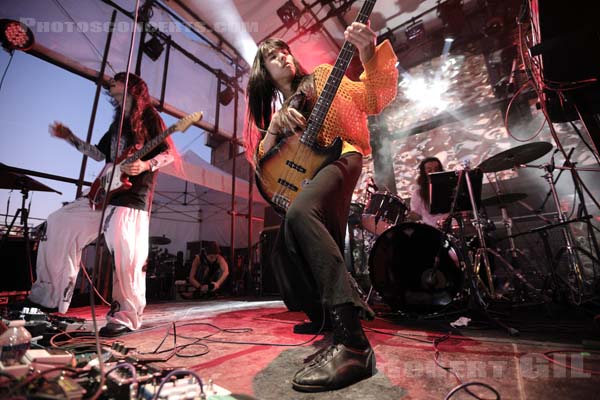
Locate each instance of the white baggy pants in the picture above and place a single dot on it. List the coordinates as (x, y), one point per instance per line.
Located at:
(73, 227)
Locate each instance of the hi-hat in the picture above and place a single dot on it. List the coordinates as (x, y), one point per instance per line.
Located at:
(159, 240)
(503, 199)
(516, 156)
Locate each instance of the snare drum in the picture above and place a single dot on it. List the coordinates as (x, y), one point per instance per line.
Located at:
(415, 268)
(383, 211)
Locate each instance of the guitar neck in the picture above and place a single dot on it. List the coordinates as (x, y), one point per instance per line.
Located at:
(155, 141)
(321, 108)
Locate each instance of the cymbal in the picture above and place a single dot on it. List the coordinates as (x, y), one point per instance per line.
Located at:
(159, 240)
(14, 180)
(517, 155)
(503, 199)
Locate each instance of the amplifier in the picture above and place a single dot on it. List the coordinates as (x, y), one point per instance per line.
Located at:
(16, 275)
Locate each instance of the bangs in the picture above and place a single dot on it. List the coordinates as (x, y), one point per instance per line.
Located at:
(271, 45)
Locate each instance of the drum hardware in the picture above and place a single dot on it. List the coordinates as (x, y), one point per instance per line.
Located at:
(159, 240)
(574, 281)
(414, 268)
(514, 157)
(12, 178)
(501, 200)
(383, 211)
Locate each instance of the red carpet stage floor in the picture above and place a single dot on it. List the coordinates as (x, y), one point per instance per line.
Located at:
(248, 348)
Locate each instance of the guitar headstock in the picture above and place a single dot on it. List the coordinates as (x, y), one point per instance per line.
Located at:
(184, 123)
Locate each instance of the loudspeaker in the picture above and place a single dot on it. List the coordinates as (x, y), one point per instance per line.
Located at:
(16, 275)
(570, 51)
(268, 284)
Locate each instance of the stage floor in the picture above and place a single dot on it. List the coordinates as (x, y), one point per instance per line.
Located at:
(248, 348)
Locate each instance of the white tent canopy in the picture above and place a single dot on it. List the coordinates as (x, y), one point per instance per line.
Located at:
(193, 203)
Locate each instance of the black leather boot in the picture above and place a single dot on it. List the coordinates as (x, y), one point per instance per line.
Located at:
(317, 323)
(348, 360)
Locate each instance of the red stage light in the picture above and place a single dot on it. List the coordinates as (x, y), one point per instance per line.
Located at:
(15, 35)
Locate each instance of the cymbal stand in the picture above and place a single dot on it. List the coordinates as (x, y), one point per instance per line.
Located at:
(481, 256)
(472, 265)
(513, 250)
(574, 281)
(24, 212)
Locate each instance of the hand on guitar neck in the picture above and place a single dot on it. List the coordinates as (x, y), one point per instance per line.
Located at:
(135, 168)
(363, 38)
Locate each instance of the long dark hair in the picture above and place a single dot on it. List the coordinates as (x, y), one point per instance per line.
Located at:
(142, 113)
(261, 94)
(423, 179)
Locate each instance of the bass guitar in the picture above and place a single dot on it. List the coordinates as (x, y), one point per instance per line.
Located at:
(102, 188)
(290, 165)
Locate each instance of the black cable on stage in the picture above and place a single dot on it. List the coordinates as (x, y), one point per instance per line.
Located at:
(467, 384)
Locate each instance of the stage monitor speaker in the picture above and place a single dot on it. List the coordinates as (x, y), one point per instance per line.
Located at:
(15, 271)
(267, 277)
(569, 46)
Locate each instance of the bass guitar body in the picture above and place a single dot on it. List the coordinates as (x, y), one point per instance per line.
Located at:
(289, 166)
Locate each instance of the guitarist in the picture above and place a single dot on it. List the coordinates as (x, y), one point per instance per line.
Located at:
(126, 224)
(308, 253)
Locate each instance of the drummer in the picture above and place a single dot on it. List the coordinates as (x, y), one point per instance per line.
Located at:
(419, 202)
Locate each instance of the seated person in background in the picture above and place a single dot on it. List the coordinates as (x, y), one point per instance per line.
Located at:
(419, 202)
(209, 271)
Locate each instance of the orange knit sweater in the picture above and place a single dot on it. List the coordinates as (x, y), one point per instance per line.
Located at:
(347, 117)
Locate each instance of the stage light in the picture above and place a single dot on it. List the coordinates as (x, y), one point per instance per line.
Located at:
(452, 15)
(289, 14)
(227, 91)
(15, 35)
(154, 48)
(415, 31)
(226, 95)
(426, 95)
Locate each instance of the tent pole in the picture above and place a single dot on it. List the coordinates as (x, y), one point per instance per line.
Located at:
(99, 82)
(233, 153)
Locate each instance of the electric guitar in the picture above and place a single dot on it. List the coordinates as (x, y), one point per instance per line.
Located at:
(102, 188)
(290, 165)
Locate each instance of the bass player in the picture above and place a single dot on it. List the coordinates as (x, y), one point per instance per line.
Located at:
(307, 258)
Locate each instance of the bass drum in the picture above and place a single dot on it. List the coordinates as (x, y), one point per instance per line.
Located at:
(414, 268)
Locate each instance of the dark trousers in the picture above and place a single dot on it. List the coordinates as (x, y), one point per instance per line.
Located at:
(308, 261)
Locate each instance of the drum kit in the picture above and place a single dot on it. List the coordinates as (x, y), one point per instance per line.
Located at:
(160, 262)
(160, 272)
(418, 268)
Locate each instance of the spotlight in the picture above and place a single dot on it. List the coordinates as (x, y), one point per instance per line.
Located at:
(15, 35)
(226, 95)
(289, 14)
(154, 48)
(415, 31)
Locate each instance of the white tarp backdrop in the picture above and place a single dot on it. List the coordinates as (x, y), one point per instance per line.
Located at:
(193, 204)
